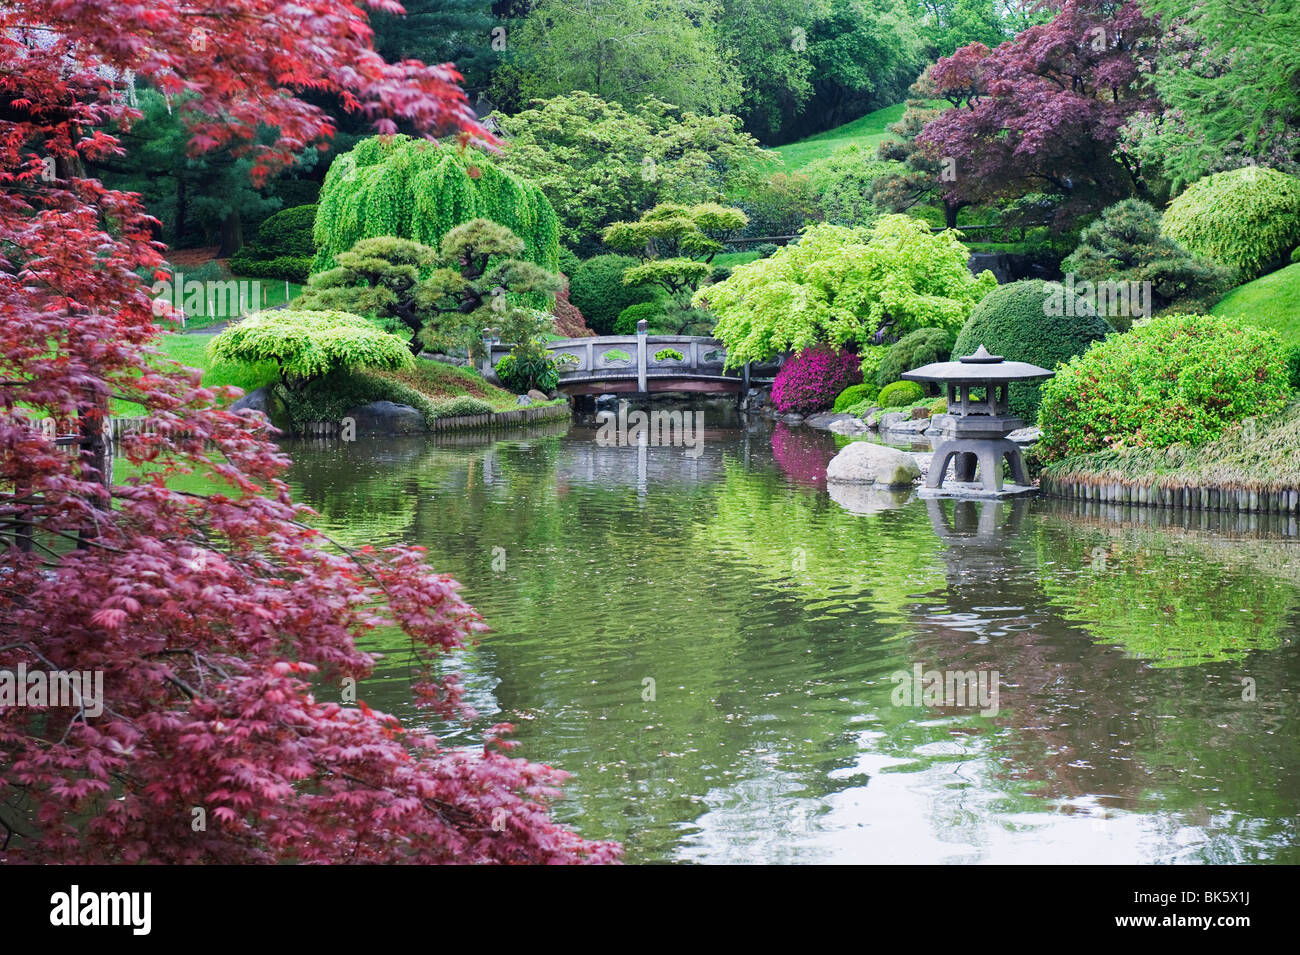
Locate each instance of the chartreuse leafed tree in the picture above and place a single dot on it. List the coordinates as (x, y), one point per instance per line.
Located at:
(306, 345)
(414, 189)
(600, 163)
(676, 243)
(846, 287)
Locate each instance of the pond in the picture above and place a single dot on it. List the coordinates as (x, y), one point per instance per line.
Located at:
(722, 655)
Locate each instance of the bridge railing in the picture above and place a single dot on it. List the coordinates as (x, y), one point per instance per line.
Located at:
(641, 357)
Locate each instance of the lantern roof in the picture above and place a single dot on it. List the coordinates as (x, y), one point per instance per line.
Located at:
(977, 368)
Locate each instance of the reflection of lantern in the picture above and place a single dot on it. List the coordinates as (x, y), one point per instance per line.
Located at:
(975, 428)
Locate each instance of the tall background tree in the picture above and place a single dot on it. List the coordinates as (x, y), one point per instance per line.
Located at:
(1228, 74)
(221, 622)
(1042, 113)
(443, 31)
(623, 51)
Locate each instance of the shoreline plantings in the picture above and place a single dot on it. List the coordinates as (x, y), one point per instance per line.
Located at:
(811, 379)
(1250, 466)
(1179, 379)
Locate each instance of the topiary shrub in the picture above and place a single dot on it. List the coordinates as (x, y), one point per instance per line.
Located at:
(625, 324)
(921, 347)
(459, 406)
(1014, 321)
(855, 394)
(283, 248)
(899, 394)
(596, 288)
(1247, 219)
(810, 380)
(305, 345)
(285, 268)
(1178, 378)
(1126, 245)
(289, 232)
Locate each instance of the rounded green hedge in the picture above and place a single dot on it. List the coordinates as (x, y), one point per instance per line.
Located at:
(1014, 321)
(921, 347)
(1178, 378)
(288, 232)
(283, 249)
(900, 394)
(596, 288)
(625, 324)
(1247, 219)
(854, 394)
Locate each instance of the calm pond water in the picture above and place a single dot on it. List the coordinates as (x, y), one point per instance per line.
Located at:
(771, 618)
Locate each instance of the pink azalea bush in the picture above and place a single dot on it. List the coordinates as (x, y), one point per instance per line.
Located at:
(810, 380)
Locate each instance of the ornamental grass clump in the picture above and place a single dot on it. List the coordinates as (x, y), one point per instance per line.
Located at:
(308, 345)
(1176, 379)
(811, 380)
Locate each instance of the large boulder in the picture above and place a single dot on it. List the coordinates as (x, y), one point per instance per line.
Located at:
(265, 401)
(535, 395)
(849, 425)
(387, 417)
(862, 462)
(825, 419)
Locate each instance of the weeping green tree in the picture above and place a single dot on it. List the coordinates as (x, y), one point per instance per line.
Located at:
(417, 190)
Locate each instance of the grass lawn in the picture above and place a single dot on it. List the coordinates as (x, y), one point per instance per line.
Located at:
(211, 308)
(865, 130)
(440, 381)
(732, 259)
(190, 351)
(1271, 301)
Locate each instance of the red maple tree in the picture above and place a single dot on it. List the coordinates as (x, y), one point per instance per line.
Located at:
(1042, 112)
(221, 622)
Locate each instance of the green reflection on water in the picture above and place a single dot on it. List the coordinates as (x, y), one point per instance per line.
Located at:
(770, 618)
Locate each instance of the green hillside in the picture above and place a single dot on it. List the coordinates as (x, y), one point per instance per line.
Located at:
(866, 130)
(1271, 301)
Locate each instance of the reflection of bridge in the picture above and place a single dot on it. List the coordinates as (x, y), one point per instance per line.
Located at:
(642, 363)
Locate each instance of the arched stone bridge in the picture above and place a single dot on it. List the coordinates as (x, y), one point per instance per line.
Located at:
(641, 364)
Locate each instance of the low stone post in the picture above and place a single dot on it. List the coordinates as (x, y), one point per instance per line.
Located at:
(487, 353)
(641, 356)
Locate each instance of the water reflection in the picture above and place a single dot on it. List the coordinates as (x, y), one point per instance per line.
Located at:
(770, 618)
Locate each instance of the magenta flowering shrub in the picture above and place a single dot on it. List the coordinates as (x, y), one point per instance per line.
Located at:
(810, 380)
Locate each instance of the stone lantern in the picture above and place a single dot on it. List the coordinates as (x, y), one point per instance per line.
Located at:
(976, 427)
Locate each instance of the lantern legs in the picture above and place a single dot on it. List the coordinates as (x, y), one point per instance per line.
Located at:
(988, 455)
